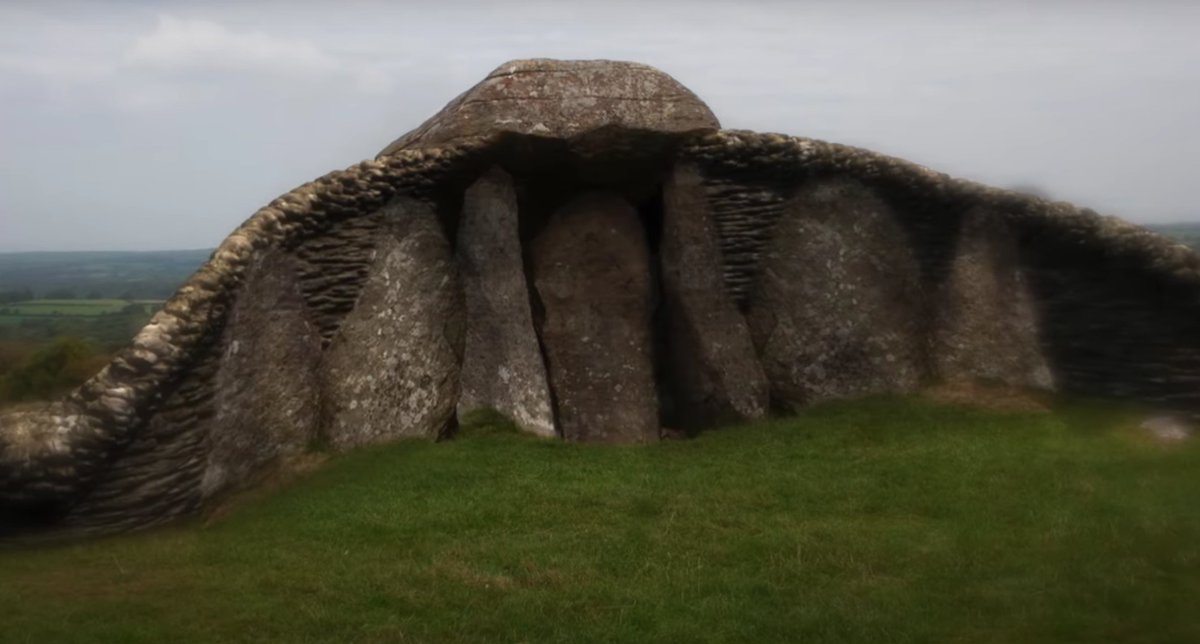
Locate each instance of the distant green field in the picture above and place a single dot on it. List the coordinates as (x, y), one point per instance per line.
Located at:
(108, 323)
(69, 307)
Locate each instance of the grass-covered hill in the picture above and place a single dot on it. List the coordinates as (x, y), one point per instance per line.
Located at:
(891, 520)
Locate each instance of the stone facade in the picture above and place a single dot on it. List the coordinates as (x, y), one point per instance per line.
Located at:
(632, 253)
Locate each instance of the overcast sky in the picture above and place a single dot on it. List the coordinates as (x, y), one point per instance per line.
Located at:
(138, 125)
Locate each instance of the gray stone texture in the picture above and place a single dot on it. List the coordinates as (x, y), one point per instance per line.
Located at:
(392, 369)
(502, 362)
(333, 266)
(744, 211)
(985, 324)
(564, 99)
(267, 398)
(835, 309)
(591, 268)
(712, 363)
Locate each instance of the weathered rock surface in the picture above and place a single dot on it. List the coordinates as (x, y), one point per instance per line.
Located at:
(712, 362)
(38, 467)
(835, 310)
(985, 323)
(392, 370)
(591, 269)
(253, 399)
(564, 99)
(267, 397)
(502, 362)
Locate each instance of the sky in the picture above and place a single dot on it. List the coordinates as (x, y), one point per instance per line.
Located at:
(141, 126)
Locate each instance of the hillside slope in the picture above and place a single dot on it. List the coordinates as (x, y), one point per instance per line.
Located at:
(887, 520)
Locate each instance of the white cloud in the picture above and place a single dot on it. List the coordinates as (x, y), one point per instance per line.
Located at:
(188, 45)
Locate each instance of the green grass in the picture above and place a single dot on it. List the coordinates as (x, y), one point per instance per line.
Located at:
(879, 521)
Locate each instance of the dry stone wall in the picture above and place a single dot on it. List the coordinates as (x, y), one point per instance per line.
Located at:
(1097, 306)
(1110, 327)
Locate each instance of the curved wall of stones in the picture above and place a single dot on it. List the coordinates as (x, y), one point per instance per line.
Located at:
(1011, 288)
(225, 379)
(727, 273)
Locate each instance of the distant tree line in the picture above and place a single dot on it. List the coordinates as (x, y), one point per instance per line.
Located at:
(9, 296)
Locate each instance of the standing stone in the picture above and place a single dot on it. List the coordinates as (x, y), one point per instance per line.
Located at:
(986, 327)
(392, 370)
(592, 272)
(835, 310)
(502, 362)
(267, 387)
(715, 371)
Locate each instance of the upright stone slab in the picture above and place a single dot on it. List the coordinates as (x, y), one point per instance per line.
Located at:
(267, 388)
(392, 369)
(502, 362)
(985, 325)
(592, 273)
(835, 309)
(714, 370)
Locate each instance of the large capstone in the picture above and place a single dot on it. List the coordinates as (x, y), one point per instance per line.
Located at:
(591, 268)
(835, 309)
(392, 370)
(502, 363)
(712, 366)
(564, 100)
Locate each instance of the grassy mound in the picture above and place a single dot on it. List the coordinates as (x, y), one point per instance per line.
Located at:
(887, 520)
